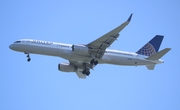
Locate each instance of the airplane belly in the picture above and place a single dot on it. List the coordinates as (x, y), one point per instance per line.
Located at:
(41, 50)
(77, 57)
(144, 62)
(66, 54)
(121, 60)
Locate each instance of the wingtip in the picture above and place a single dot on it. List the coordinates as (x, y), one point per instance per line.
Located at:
(168, 48)
(129, 19)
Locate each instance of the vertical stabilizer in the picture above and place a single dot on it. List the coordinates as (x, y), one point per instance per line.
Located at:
(152, 47)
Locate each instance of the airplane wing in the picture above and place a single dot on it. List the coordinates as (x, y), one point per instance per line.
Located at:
(99, 45)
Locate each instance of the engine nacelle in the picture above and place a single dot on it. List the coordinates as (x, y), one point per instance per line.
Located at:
(80, 49)
(66, 67)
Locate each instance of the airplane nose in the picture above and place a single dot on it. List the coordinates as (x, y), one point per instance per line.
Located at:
(11, 46)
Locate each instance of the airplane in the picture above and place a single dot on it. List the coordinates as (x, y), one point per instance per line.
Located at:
(84, 57)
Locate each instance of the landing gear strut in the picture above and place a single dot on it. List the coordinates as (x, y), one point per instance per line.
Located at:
(28, 57)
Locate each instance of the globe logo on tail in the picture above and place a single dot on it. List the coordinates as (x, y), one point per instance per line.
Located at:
(147, 50)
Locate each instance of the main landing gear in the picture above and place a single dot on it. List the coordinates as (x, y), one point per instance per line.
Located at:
(93, 62)
(28, 57)
(87, 67)
(86, 72)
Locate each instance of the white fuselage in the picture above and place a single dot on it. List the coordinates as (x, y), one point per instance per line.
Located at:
(65, 51)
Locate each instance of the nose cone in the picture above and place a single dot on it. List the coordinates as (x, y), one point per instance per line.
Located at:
(11, 47)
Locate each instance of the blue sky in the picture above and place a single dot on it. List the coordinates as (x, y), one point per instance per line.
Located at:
(39, 85)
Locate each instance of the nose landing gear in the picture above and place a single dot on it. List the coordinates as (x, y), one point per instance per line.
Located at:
(28, 57)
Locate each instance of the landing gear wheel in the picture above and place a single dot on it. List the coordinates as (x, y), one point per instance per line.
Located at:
(29, 59)
(86, 72)
(96, 62)
(28, 56)
(93, 62)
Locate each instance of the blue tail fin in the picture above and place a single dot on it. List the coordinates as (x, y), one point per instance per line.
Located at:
(152, 47)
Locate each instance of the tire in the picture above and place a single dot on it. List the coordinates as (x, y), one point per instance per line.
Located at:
(96, 62)
(29, 59)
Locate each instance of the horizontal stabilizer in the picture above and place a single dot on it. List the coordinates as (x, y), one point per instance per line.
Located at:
(150, 67)
(159, 54)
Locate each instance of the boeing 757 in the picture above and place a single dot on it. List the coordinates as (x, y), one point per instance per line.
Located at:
(84, 57)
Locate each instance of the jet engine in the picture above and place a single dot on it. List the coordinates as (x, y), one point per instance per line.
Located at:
(66, 67)
(80, 49)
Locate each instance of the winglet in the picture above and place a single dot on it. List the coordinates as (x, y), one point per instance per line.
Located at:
(129, 19)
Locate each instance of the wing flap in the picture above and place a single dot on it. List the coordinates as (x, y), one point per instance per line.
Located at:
(80, 75)
(150, 67)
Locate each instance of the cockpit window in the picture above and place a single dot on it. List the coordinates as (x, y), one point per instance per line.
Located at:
(17, 42)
